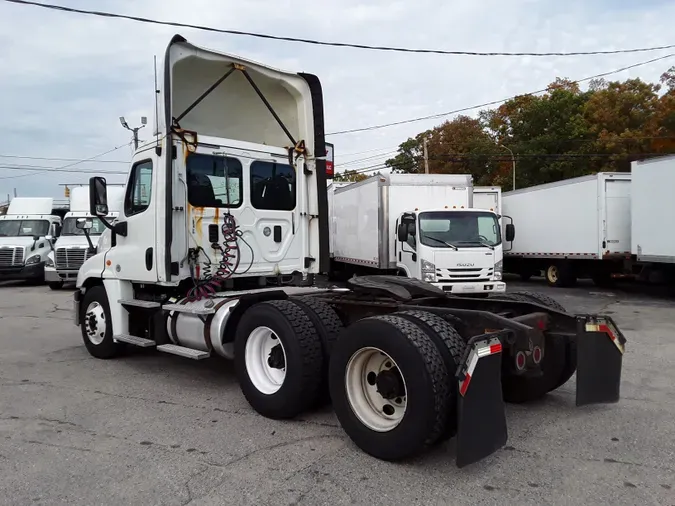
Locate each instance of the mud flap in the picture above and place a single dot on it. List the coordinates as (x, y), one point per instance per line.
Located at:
(600, 349)
(481, 420)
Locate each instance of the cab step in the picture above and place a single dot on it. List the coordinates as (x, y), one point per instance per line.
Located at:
(145, 304)
(182, 351)
(135, 340)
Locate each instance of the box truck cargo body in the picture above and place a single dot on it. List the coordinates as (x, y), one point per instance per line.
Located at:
(575, 228)
(420, 226)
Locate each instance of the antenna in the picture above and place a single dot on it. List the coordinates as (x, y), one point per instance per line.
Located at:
(156, 106)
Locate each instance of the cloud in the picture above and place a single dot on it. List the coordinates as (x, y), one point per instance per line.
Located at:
(67, 78)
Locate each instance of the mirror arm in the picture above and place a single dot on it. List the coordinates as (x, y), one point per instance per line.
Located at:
(92, 248)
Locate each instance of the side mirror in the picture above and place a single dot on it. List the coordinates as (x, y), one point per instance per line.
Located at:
(510, 232)
(57, 230)
(49, 237)
(98, 197)
(402, 232)
(84, 223)
(412, 228)
(36, 237)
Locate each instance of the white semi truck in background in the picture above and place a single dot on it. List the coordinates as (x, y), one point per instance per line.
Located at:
(27, 233)
(226, 222)
(74, 246)
(420, 226)
(576, 228)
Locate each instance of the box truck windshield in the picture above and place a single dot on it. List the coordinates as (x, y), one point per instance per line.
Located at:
(70, 227)
(453, 229)
(23, 228)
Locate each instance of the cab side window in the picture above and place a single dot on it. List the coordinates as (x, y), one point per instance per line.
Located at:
(139, 190)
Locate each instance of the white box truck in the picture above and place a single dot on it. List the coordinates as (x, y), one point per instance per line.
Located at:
(576, 228)
(27, 233)
(488, 198)
(75, 245)
(237, 174)
(652, 207)
(419, 226)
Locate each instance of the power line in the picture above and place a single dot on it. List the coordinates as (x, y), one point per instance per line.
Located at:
(494, 102)
(48, 158)
(65, 167)
(329, 43)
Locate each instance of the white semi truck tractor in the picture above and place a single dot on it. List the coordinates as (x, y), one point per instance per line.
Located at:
(27, 235)
(75, 244)
(225, 225)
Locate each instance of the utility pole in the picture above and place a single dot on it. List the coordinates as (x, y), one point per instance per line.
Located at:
(144, 121)
(426, 156)
(513, 164)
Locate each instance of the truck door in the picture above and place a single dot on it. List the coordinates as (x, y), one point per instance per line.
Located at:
(407, 251)
(134, 256)
(617, 219)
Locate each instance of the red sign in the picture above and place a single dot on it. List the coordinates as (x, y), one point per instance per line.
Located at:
(329, 161)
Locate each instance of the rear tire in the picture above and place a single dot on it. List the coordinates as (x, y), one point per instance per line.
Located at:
(327, 326)
(451, 346)
(278, 359)
(560, 275)
(96, 324)
(542, 299)
(392, 434)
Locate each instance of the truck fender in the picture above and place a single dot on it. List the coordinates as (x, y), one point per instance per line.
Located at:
(403, 271)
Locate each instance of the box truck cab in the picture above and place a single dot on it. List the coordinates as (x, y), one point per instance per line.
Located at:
(458, 250)
(75, 244)
(27, 233)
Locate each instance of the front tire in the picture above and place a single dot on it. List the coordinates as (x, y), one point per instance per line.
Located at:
(278, 359)
(56, 285)
(96, 324)
(389, 386)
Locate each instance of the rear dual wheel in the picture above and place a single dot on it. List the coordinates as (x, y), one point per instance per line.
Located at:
(392, 382)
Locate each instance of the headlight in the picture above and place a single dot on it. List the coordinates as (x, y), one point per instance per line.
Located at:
(499, 269)
(49, 262)
(428, 272)
(35, 259)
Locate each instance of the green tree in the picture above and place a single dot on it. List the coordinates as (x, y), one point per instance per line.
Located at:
(351, 176)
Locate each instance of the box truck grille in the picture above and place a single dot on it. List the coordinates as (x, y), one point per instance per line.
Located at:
(11, 257)
(71, 258)
(463, 274)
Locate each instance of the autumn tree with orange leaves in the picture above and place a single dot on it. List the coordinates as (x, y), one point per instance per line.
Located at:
(563, 133)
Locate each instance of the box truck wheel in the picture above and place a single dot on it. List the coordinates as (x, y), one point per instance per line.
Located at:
(96, 324)
(327, 325)
(451, 345)
(389, 386)
(560, 275)
(278, 359)
(56, 285)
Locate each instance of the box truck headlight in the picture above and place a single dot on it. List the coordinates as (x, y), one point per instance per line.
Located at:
(35, 259)
(428, 272)
(499, 268)
(49, 262)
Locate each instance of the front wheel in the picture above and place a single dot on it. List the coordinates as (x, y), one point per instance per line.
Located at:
(96, 324)
(390, 387)
(56, 285)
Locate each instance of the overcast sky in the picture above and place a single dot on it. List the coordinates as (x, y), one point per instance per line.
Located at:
(66, 78)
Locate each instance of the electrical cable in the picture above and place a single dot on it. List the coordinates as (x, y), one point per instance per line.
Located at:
(330, 43)
(494, 102)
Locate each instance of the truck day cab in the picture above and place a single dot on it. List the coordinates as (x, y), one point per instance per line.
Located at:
(226, 218)
(420, 226)
(75, 245)
(27, 233)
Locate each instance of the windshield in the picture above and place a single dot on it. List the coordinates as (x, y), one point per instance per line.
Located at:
(447, 229)
(23, 228)
(70, 227)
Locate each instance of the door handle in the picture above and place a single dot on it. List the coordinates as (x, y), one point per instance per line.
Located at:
(148, 259)
(277, 233)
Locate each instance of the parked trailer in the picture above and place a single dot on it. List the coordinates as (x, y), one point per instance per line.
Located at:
(405, 364)
(420, 226)
(571, 229)
(652, 206)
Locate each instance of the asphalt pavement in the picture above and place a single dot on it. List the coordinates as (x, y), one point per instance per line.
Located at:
(151, 429)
